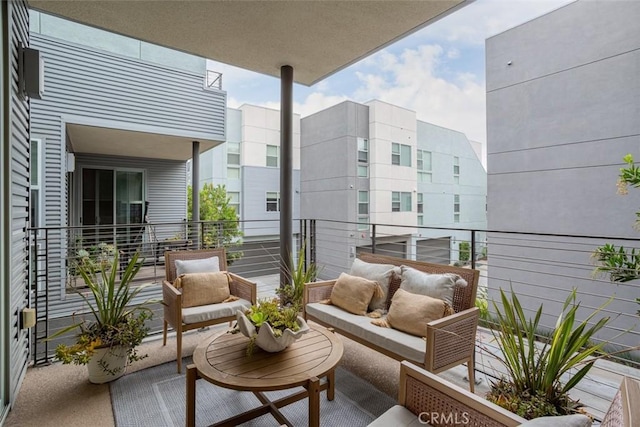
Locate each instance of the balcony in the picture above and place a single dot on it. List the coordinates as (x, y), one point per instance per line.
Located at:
(540, 268)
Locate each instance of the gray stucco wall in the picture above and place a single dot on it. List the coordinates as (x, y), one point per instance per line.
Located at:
(562, 111)
(329, 182)
(256, 182)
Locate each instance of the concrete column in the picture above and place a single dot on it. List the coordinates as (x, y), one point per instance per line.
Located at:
(286, 171)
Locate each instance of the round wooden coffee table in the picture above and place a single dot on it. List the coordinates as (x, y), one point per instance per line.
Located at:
(223, 361)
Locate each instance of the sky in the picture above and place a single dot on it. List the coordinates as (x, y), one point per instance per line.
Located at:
(438, 72)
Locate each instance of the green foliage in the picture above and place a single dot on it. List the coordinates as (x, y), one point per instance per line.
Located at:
(221, 227)
(292, 293)
(270, 311)
(535, 369)
(116, 321)
(483, 304)
(464, 251)
(621, 264)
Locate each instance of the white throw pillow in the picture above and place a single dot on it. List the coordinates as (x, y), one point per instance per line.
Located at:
(441, 286)
(205, 265)
(380, 273)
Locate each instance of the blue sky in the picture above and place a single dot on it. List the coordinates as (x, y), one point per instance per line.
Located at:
(439, 71)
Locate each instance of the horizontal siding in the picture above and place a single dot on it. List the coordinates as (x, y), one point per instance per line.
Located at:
(19, 191)
(81, 81)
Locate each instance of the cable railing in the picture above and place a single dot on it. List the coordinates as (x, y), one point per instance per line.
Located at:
(539, 268)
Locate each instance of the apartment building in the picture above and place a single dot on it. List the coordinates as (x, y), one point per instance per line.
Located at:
(375, 163)
(248, 165)
(562, 111)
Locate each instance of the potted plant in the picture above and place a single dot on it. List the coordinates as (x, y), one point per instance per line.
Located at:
(537, 370)
(270, 326)
(291, 294)
(108, 341)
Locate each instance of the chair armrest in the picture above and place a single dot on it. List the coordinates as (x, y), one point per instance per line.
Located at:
(451, 340)
(172, 304)
(425, 394)
(314, 292)
(243, 288)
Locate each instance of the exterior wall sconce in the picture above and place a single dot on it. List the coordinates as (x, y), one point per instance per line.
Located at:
(31, 72)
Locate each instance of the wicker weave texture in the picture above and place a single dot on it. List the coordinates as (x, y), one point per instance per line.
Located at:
(448, 349)
(435, 405)
(463, 298)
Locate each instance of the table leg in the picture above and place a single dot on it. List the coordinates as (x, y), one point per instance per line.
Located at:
(331, 383)
(192, 376)
(313, 390)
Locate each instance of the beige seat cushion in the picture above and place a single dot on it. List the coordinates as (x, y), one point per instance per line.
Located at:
(398, 416)
(381, 273)
(203, 288)
(354, 293)
(575, 420)
(410, 313)
(441, 286)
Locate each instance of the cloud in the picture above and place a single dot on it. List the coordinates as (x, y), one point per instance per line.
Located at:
(411, 80)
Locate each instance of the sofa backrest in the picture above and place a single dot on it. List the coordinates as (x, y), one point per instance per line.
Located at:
(170, 258)
(463, 297)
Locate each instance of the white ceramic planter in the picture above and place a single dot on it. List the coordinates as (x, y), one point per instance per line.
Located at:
(114, 358)
(265, 338)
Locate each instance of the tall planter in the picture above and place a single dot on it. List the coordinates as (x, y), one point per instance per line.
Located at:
(108, 364)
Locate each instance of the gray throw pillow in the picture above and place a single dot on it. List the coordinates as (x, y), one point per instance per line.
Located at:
(205, 265)
(441, 286)
(380, 273)
(576, 420)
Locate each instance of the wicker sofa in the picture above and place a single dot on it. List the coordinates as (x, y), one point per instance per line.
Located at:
(425, 399)
(450, 341)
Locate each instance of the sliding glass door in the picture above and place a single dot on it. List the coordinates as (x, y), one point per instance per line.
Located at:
(111, 197)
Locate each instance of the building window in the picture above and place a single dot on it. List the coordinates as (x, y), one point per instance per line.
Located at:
(363, 210)
(363, 157)
(233, 153)
(35, 168)
(456, 170)
(424, 166)
(420, 209)
(363, 203)
(233, 172)
(400, 201)
(456, 208)
(400, 154)
(273, 201)
(234, 200)
(272, 156)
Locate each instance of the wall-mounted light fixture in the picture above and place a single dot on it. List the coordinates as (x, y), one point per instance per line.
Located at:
(31, 72)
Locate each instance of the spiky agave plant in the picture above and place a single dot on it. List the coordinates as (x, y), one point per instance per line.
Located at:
(537, 370)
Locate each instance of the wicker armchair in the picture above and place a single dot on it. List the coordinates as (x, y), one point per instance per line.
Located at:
(438, 402)
(174, 314)
(425, 397)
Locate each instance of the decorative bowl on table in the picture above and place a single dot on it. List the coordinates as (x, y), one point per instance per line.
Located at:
(268, 338)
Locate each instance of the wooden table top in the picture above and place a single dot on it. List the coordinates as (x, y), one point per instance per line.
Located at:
(223, 361)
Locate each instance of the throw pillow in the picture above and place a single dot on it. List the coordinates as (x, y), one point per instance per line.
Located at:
(354, 293)
(441, 286)
(205, 265)
(575, 420)
(203, 288)
(410, 313)
(380, 273)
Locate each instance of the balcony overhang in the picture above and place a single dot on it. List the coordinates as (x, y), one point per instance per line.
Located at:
(108, 141)
(316, 38)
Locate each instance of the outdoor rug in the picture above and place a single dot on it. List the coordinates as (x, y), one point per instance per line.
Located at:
(156, 397)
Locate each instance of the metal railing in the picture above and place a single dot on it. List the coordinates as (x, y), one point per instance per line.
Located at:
(540, 268)
(213, 80)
